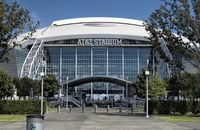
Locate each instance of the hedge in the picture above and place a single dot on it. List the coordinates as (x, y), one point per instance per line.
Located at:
(170, 107)
(21, 106)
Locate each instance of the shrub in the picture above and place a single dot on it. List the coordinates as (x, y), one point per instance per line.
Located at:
(21, 106)
(164, 107)
(195, 107)
(153, 105)
(182, 107)
(167, 107)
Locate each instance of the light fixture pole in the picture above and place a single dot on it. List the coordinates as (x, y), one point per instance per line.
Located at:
(42, 88)
(127, 92)
(127, 89)
(147, 96)
(67, 94)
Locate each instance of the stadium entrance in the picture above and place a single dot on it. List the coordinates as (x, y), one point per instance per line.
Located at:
(98, 85)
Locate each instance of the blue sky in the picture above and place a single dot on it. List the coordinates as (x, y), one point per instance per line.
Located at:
(47, 11)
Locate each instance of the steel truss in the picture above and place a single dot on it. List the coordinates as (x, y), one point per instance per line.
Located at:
(163, 45)
(34, 61)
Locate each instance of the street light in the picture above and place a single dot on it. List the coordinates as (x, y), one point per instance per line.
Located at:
(147, 104)
(127, 89)
(42, 88)
(67, 94)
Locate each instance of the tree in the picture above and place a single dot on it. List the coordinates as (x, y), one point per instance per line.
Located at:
(51, 86)
(14, 20)
(178, 23)
(6, 85)
(25, 85)
(17, 82)
(174, 85)
(157, 86)
(186, 85)
(190, 85)
(140, 84)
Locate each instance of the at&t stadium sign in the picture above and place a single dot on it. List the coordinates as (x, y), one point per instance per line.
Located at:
(99, 42)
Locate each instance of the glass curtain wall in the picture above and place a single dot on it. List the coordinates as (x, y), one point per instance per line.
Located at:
(78, 62)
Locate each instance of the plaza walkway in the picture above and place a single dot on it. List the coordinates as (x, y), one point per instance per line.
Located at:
(99, 121)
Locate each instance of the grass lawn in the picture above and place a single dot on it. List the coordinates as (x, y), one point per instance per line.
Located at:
(52, 110)
(176, 118)
(12, 118)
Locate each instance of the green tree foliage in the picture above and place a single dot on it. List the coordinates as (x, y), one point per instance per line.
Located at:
(6, 85)
(186, 85)
(24, 86)
(190, 85)
(51, 86)
(175, 85)
(178, 23)
(157, 86)
(14, 20)
(140, 84)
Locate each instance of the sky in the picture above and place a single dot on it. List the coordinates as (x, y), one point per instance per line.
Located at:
(47, 11)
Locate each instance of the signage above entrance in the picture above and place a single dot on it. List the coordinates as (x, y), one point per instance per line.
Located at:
(99, 42)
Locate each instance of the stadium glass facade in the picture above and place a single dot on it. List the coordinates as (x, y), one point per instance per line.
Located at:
(98, 55)
(124, 61)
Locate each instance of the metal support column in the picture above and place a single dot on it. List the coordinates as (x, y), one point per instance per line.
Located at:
(138, 60)
(67, 94)
(91, 87)
(123, 63)
(107, 70)
(60, 75)
(122, 91)
(75, 63)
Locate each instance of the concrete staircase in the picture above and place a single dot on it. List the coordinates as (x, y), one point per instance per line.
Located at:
(73, 100)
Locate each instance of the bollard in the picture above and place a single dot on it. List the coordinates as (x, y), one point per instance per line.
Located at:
(47, 110)
(95, 108)
(58, 110)
(70, 108)
(132, 108)
(35, 122)
(83, 108)
(108, 107)
(120, 108)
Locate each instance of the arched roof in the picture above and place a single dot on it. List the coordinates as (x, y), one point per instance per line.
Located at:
(97, 20)
(80, 81)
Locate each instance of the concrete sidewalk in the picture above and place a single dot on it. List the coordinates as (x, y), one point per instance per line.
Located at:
(99, 121)
(103, 121)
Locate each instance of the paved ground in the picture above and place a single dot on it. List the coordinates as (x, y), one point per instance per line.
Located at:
(101, 121)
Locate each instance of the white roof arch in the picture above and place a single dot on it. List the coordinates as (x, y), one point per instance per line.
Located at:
(98, 20)
(93, 27)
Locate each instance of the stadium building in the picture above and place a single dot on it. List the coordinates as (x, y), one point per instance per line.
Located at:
(96, 55)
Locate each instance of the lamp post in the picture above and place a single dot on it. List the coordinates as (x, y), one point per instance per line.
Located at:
(147, 104)
(42, 88)
(67, 94)
(127, 89)
(127, 92)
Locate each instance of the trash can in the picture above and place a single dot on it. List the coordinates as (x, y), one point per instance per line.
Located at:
(34, 122)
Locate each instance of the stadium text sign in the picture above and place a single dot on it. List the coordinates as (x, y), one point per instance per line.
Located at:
(99, 42)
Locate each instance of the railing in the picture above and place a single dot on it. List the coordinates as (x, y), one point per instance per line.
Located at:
(76, 102)
(73, 100)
